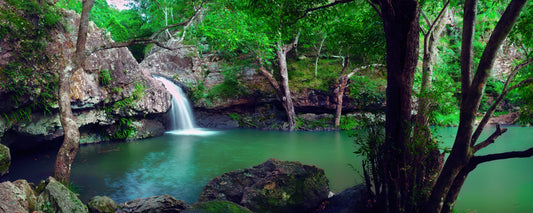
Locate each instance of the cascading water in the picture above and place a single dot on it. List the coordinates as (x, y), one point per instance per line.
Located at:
(181, 113)
(182, 119)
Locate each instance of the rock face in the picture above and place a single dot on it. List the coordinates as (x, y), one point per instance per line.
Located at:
(5, 160)
(55, 197)
(155, 204)
(111, 86)
(102, 204)
(273, 186)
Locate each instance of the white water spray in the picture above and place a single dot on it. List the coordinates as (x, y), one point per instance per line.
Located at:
(182, 119)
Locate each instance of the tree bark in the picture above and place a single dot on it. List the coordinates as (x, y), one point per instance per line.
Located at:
(68, 150)
(286, 99)
(401, 26)
(343, 80)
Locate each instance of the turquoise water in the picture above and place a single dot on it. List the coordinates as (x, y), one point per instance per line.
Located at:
(181, 165)
(498, 186)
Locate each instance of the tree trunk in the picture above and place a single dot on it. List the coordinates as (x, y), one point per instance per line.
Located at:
(68, 150)
(318, 53)
(286, 99)
(343, 80)
(421, 127)
(401, 26)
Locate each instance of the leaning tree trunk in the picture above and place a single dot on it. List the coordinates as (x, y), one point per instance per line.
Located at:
(343, 81)
(287, 97)
(70, 146)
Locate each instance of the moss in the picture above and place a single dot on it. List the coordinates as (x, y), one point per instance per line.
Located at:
(218, 206)
(26, 26)
(5, 159)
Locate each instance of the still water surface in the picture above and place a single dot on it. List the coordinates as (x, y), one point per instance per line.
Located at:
(180, 165)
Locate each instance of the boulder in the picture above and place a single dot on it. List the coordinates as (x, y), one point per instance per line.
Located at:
(5, 159)
(217, 206)
(351, 200)
(56, 197)
(273, 186)
(30, 201)
(155, 204)
(102, 204)
(12, 199)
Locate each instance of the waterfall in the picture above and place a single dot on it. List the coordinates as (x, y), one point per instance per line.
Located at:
(181, 113)
(182, 119)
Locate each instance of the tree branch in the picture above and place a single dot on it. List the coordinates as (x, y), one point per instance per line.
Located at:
(441, 13)
(501, 156)
(288, 47)
(134, 42)
(499, 99)
(183, 23)
(499, 131)
(375, 6)
(305, 12)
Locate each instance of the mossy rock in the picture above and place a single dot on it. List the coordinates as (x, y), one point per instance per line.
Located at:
(217, 206)
(56, 197)
(102, 204)
(5, 159)
(273, 186)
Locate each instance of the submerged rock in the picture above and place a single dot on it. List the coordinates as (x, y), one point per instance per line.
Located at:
(102, 204)
(273, 186)
(353, 199)
(217, 206)
(56, 197)
(5, 159)
(163, 203)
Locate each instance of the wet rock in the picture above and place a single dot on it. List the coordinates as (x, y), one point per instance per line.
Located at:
(56, 197)
(163, 204)
(12, 198)
(217, 206)
(209, 120)
(351, 200)
(273, 186)
(102, 204)
(5, 159)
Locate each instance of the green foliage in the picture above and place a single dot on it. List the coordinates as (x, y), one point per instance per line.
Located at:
(105, 77)
(231, 87)
(349, 123)
(196, 91)
(313, 124)
(367, 90)
(124, 129)
(301, 73)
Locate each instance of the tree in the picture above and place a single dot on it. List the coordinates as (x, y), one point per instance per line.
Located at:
(70, 146)
(267, 31)
(462, 159)
(395, 187)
